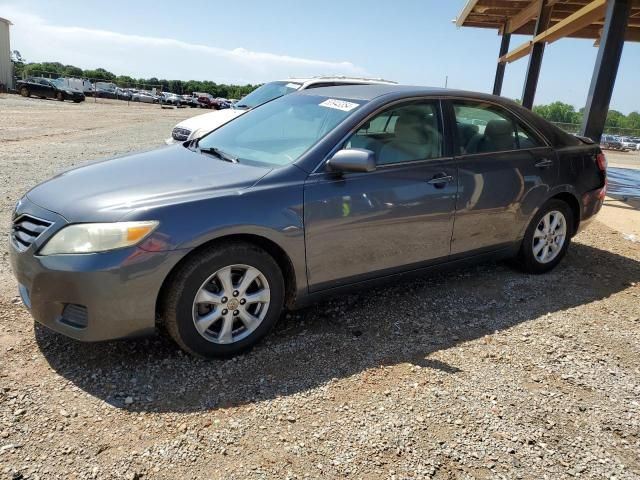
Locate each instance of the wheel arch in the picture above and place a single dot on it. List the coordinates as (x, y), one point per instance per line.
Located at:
(571, 200)
(272, 248)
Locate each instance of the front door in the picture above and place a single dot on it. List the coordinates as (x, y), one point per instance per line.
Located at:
(362, 225)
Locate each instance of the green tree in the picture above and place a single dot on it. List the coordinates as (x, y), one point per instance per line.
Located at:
(633, 120)
(615, 119)
(73, 71)
(99, 74)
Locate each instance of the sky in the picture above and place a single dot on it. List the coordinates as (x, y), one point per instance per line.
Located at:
(254, 41)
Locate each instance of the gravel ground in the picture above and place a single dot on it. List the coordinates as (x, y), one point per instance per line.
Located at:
(476, 373)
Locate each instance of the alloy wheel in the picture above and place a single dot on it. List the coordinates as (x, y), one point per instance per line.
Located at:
(549, 236)
(231, 304)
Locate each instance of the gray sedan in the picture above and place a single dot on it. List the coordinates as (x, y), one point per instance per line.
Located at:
(309, 195)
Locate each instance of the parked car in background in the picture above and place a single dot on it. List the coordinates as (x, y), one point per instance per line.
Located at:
(610, 142)
(222, 103)
(190, 101)
(629, 143)
(200, 125)
(310, 195)
(79, 84)
(145, 97)
(48, 88)
(168, 98)
(206, 100)
(122, 93)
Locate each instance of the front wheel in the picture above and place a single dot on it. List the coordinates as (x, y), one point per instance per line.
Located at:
(547, 237)
(60, 96)
(24, 91)
(224, 300)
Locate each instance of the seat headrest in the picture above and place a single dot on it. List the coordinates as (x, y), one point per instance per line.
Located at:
(498, 128)
(410, 128)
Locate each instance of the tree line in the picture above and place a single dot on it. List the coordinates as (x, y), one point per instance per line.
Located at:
(565, 113)
(57, 69)
(555, 112)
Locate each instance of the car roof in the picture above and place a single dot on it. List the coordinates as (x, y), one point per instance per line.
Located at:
(370, 92)
(338, 78)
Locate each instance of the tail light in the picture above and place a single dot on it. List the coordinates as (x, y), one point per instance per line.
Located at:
(601, 160)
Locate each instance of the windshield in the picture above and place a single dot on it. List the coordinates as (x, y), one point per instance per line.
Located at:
(57, 82)
(279, 132)
(267, 92)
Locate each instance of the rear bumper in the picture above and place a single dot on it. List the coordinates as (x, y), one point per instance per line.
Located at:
(592, 202)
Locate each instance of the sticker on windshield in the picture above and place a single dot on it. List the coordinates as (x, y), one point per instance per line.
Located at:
(295, 86)
(339, 104)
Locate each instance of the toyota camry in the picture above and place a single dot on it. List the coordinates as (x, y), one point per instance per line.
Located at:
(309, 195)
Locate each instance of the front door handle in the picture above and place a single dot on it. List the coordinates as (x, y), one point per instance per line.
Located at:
(440, 179)
(544, 163)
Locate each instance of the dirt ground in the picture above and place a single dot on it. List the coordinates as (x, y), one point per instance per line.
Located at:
(477, 373)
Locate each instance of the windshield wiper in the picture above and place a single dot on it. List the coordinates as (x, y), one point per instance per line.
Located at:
(219, 153)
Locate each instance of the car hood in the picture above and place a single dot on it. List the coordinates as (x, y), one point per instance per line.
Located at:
(211, 120)
(108, 190)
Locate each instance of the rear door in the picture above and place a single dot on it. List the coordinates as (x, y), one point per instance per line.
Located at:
(400, 216)
(505, 171)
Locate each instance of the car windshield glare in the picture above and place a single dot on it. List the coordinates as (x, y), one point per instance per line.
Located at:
(267, 92)
(279, 132)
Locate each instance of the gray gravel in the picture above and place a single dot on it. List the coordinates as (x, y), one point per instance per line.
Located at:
(476, 373)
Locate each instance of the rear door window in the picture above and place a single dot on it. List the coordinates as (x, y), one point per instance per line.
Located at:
(487, 128)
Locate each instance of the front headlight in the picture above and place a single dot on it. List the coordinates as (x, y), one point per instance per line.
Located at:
(97, 237)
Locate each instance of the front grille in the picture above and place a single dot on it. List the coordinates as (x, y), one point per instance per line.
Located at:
(75, 315)
(180, 134)
(26, 229)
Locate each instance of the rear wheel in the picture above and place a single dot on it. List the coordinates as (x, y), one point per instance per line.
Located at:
(224, 300)
(547, 237)
(24, 91)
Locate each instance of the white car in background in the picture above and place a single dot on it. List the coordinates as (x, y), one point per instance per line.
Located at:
(629, 143)
(200, 125)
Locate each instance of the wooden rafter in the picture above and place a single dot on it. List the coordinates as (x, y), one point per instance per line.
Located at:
(582, 18)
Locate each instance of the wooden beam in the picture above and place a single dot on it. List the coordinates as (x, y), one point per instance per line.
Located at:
(466, 10)
(582, 18)
(575, 22)
(527, 14)
(517, 53)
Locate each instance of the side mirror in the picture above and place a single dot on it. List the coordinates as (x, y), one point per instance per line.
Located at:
(352, 160)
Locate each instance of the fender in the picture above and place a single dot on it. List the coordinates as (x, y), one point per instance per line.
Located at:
(553, 192)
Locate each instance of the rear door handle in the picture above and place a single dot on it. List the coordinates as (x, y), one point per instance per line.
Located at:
(440, 179)
(544, 163)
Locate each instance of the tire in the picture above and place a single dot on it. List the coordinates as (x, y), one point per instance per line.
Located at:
(77, 101)
(531, 257)
(180, 311)
(60, 96)
(24, 91)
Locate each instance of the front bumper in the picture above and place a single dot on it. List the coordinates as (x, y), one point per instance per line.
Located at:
(91, 297)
